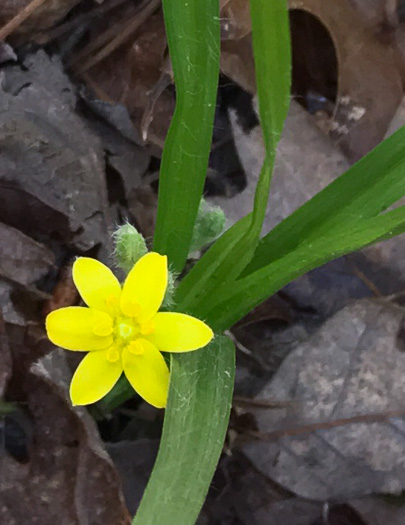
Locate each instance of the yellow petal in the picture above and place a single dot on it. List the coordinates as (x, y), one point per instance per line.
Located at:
(145, 287)
(94, 378)
(97, 285)
(77, 328)
(179, 332)
(147, 371)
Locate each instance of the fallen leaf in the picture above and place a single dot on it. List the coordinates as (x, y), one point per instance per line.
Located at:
(57, 156)
(343, 435)
(5, 358)
(22, 259)
(306, 162)
(235, 20)
(369, 82)
(134, 73)
(134, 461)
(380, 510)
(68, 477)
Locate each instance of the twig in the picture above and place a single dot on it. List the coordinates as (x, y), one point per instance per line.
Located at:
(15, 22)
(83, 19)
(126, 32)
(370, 285)
(260, 403)
(325, 425)
(242, 348)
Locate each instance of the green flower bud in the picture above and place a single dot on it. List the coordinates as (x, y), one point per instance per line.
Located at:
(209, 225)
(130, 246)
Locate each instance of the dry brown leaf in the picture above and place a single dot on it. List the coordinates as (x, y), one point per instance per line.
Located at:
(343, 437)
(369, 83)
(369, 67)
(65, 193)
(68, 478)
(136, 75)
(235, 20)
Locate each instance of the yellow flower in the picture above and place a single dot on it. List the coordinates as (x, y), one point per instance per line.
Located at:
(123, 331)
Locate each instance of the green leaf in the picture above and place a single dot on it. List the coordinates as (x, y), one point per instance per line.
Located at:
(232, 252)
(369, 187)
(193, 433)
(272, 52)
(248, 292)
(207, 274)
(192, 29)
(201, 382)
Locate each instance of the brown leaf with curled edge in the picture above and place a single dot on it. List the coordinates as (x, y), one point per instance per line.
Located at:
(344, 434)
(368, 81)
(136, 73)
(235, 20)
(237, 62)
(369, 86)
(68, 477)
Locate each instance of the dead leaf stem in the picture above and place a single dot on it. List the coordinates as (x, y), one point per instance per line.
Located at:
(15, 22)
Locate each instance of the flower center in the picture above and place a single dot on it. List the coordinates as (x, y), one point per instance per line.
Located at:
(128, 334)
(126, 330)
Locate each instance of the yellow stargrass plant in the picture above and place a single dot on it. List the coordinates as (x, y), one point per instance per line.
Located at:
(122, 328)
(123, 331)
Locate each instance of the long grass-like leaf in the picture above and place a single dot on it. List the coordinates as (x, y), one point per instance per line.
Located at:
(201, 382)
(251, 290)
(369, 187)
(193, 433)
(230, 254)
(192, 29)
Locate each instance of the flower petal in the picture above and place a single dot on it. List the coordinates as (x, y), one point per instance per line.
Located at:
(97, 285)
(78, 328)
(147, 372)
(179, 332)
(145, 287)
(94, 378)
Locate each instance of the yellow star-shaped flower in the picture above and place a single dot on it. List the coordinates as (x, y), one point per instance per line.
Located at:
(123, 331)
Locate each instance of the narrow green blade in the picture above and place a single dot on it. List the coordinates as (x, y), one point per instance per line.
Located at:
(230, 254)
(248, 292)
(201, 382)
(193, 35)
(369, 187)
(193, 434)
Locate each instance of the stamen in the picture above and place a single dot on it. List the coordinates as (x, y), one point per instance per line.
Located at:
(113, 355)
(136, 347)
(103, 329)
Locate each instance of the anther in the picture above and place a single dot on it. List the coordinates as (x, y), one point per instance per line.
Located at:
(113, 355)
(103, 329)
(136, 347)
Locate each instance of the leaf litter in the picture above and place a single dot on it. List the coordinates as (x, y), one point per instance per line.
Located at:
(92, 155)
